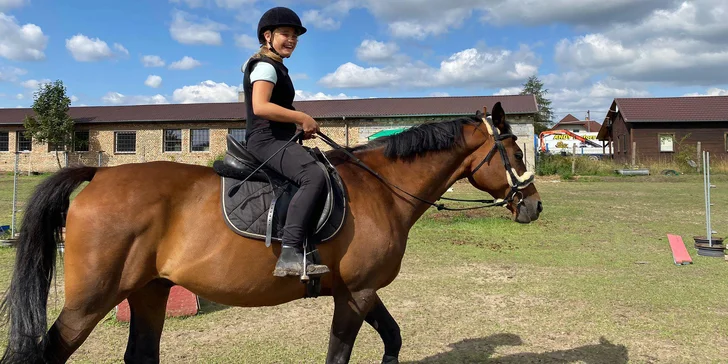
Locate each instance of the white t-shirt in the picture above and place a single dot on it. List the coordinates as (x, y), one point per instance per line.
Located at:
(262, 71)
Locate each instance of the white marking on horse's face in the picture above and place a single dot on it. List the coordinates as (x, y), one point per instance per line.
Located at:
(525, 180)
(487, 122)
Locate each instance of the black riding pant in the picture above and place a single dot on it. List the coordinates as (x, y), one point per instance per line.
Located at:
(296, 164)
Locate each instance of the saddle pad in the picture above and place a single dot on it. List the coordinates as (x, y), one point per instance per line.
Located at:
(247, 207)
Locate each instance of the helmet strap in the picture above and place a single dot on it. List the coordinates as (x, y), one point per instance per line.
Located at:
(270, 44)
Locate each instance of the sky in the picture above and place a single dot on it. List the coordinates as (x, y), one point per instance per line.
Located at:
(587, 52)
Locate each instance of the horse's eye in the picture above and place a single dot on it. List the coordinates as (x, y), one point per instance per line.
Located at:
(519, 155)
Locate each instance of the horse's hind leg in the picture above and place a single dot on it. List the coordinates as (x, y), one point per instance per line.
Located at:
(148, 306)
(380, 319)
(79, 316)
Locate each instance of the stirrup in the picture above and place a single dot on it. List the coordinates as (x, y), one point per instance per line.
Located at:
(304, 275)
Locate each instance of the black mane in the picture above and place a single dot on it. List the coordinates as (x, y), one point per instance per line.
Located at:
(422, 138)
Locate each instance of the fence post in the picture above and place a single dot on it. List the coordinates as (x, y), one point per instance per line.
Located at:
(700, 158)
(634, 153)
(346, 131)
(15, 194)
(573, 159)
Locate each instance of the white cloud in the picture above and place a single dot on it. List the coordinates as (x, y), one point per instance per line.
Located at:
(152, 61)
(352, 76)
(225, 4)
(305, 95)
(185, 30)
(115, 98)
(73, 98)
(595, 98)
(120, 48)
(34, 84)
(21, 43)
(484, 68)
(11, 74)
(186, 63)
(247, 42)
(316, 19)
(592, 51)
(439, 94)
(713, 91)
(234, 4)
(422, 28)
(191, 3)
(19, 96)
(11, 4)
(207, 91)
(509, 91)
(375, 51)
(675, 45)
(85, 49)
(298, 76)
(153, 81)
(583, 12)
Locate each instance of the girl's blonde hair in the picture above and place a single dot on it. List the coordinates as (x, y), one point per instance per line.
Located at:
(265, 52)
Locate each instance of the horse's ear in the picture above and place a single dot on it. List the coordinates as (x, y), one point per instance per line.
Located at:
(479, 114)
(499, 115)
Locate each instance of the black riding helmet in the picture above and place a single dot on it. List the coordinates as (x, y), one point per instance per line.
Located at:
(279, 17)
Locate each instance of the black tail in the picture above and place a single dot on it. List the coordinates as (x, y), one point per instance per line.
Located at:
(35, 261)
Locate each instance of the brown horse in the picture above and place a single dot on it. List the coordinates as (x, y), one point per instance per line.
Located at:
(137, 229)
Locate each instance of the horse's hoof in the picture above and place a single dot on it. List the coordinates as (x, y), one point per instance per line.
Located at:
(388, 359)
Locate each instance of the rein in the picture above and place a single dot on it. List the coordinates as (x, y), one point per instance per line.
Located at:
(519, 184)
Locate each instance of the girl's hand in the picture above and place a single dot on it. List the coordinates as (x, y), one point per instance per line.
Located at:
(309, 126)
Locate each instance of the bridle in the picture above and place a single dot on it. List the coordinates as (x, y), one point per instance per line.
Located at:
(516, 182)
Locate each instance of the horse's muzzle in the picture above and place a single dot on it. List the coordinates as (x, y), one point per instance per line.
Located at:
(528, 210)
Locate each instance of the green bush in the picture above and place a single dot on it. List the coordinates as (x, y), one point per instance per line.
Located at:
(549, 164)
(219, 157)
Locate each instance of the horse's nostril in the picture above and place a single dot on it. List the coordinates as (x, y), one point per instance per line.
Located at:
(540, 207)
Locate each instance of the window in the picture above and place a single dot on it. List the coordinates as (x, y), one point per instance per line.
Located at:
(125, 142)
(200, 140)
(4, 141)
(81, 141)
(238, 134)
(172, 140)
(667, 142)
(23, 143)
(725, 138)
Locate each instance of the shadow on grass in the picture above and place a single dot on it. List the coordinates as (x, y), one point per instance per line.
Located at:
(480, 351)
(207, 306)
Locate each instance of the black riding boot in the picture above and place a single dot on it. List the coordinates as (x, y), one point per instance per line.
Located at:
(290, 263)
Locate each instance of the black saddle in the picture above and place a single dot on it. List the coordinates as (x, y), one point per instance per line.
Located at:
(257, 207)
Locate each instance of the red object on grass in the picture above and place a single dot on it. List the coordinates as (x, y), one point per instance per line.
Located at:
(679, 253)
(181, 302)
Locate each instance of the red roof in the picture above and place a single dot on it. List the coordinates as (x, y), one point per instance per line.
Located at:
(568, 117)
(672, 109)
(586, 124)
(235, 111)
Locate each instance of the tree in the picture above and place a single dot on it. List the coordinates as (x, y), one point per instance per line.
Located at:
(544, 117)
(51, 123)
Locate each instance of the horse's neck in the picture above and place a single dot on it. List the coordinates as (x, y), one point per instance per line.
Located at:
(426, 177)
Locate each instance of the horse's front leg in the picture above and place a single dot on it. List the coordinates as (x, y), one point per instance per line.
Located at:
(349, 312)
(380, 319)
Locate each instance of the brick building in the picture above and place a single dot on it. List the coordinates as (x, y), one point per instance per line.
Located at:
(195, 133)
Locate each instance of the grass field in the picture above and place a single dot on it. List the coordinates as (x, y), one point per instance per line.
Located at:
(592, 281)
